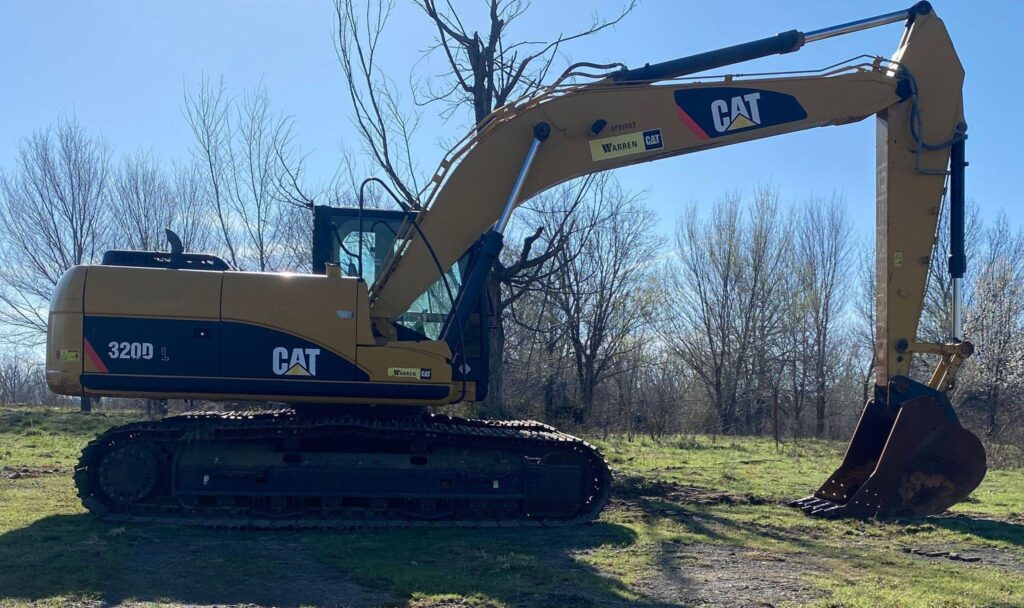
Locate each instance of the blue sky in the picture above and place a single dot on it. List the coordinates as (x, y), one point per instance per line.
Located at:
(120, 68)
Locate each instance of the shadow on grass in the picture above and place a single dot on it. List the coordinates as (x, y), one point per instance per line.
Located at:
(77, 556)
(718, 525)
(991, 529)
(706, 512)
(518, 567)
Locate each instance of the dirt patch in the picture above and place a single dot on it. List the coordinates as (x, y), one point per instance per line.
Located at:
(633, 487)
(968, 556)
(1011, 518)
(30, 472)
(713, 576)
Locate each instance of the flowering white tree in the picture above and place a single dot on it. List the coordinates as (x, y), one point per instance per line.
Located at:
(994, 322)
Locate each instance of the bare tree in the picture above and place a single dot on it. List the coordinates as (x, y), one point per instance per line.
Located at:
(296, 237)
(488, 71)
(768, 245)
(725, 288)
(53, 215)
(484, 72)
(602, 289)
(701, 318)
(251, 169)
(797, 349)
(142, 204)
(822, 244)
(936, 320)
(864, 306)
(22, 379)
(192, 209)
(384, 125)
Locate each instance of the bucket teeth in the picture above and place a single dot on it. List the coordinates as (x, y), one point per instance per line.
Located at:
(818, 507)
(908, 457)
(825, 509)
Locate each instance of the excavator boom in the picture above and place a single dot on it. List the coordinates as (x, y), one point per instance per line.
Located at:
(909, 455)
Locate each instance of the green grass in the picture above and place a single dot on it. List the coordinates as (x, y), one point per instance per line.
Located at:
(50, 437)
(653, 536)
(740, 465)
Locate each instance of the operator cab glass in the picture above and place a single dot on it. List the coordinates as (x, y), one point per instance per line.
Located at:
(336, 238)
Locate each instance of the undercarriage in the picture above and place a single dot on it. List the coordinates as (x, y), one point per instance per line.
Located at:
(289, 469)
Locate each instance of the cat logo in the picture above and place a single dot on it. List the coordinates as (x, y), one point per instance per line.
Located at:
(711, 112)
(652, 139)
(740, 112)
(295, 361)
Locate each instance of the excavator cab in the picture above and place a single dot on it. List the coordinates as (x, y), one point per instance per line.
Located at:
(336, 240)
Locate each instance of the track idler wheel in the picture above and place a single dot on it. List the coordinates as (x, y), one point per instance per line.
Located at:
(129, 473)
(908, 457)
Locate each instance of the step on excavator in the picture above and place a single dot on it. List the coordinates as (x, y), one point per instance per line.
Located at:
(392, 322)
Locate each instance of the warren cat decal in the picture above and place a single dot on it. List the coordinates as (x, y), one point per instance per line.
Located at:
(413, 373)
(716, 111)
(624, 145)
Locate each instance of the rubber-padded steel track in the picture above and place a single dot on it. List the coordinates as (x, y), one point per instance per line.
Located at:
(168, 437)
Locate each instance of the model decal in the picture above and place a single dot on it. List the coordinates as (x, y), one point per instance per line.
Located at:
(624, 145)
(295, 361)
(70, 355)
(716, 111)
(130, 350)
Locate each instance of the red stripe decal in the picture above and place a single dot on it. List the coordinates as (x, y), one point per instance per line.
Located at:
(683, 116)
(96, 361)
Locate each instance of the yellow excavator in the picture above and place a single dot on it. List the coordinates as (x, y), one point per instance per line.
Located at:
(358, 358)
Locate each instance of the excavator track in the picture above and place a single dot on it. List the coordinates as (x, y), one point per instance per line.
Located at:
(280, 469)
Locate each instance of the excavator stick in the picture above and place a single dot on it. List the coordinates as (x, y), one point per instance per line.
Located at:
(908, 457)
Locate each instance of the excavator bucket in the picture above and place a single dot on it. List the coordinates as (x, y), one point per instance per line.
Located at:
(908, 457)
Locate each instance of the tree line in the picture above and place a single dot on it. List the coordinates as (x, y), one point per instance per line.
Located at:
(756, 317)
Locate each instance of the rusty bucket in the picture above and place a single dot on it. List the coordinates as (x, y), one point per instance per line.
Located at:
(909, 456)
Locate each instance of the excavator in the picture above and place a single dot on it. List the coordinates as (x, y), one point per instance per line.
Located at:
(360, 353)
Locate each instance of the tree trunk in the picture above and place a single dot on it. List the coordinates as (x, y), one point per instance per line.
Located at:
(725, 417)
(993, 412)
(867, 381)
(775, 415)
(819, 409)
(587, 387)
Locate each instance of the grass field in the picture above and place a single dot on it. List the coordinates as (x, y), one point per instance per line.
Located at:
(692, 522)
